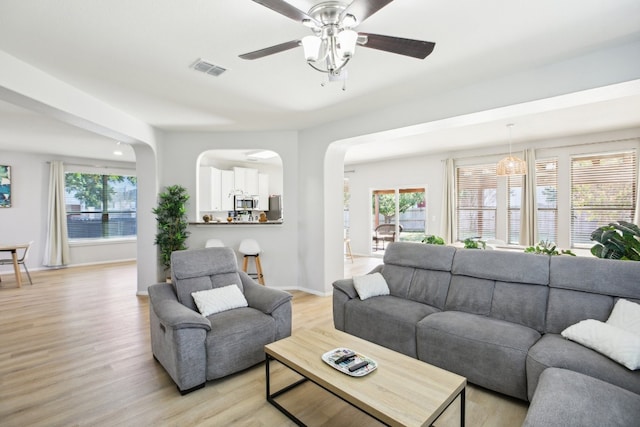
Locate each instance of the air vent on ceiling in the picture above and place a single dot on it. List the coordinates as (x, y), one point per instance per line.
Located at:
(209, 68)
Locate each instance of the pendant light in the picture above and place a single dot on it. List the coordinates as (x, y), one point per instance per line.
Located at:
(511, 165)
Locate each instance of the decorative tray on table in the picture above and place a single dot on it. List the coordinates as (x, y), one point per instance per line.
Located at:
(349, 362)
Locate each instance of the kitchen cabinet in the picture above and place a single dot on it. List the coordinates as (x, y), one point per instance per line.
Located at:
(246, 180)
(263, 191)
(218, 187)
(209, 188)
(227, 187)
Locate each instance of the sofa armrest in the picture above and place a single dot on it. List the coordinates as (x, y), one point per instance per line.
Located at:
(346, 287)
(171, 313)
(262, 298)
(343, 292)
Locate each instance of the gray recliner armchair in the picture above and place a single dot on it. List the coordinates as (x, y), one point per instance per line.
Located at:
(194, 349)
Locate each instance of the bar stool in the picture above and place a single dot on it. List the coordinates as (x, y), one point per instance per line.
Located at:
(250, 248)
(214, 243)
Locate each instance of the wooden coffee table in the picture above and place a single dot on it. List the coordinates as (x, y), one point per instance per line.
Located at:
(402, 391)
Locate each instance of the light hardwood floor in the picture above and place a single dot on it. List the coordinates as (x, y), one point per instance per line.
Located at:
(75, 351)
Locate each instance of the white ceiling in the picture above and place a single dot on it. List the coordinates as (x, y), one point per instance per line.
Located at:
(136, 56)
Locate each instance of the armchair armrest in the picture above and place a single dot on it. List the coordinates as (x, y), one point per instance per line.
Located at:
(171, 313)
(262, 298)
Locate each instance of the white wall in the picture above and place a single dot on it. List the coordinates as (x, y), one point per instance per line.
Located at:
(26, 220)
(424, 171)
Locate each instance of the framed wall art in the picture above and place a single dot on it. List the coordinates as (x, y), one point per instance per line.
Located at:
(5, 186)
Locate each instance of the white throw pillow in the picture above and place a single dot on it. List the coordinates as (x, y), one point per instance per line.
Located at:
(219, 299)
(626, 315)
(370, 285)
(615, 343)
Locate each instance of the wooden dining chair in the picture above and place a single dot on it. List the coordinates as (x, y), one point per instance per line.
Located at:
(22, 260)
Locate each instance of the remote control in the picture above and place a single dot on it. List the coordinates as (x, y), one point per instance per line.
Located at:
(345, 357)
(358, 366)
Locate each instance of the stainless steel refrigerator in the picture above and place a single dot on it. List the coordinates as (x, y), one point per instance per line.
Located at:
(275, 208)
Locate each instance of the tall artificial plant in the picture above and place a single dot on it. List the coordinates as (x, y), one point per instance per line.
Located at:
(172, 222)
(618, 240)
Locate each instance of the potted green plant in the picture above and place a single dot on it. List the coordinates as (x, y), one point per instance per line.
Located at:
(470, 243)
(546, 247)
(433, 240)
(172, 222)
(618, 240)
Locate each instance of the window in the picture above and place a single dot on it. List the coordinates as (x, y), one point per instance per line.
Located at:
(603, 189)
(547, 199)
(100, 206)
(476, 201)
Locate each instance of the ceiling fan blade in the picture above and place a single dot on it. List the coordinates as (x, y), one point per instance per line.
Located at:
(408, 47)
(271, 50)
(284, 8)
(362, 9)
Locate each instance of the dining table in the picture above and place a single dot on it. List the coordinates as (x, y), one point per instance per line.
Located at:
(13, 249)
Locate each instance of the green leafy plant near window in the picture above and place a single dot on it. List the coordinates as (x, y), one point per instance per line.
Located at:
(547, 248)
(172, 222)
(433, 240)
(470, 243)
(618, 240)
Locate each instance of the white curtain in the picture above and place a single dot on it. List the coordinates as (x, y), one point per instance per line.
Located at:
(636, 216)
(528, 207)
(56, 250)
(448, 222)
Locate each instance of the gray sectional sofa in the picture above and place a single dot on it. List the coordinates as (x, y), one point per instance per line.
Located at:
(495, 317)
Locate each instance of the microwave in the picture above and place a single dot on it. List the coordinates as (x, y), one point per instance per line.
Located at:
(245, 203)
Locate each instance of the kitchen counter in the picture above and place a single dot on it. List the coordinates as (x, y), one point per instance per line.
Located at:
(226, 223)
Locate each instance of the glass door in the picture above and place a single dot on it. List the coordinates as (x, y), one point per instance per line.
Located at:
(399, 214)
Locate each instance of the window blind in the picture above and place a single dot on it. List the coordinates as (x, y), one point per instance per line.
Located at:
(476, 201)
(547, 199)
(603, 189)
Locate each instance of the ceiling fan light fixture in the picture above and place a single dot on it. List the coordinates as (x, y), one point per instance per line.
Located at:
(309, 23)
(347, 40)
(311, 46)
(349, 21)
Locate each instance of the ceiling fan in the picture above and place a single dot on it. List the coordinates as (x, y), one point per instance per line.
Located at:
(333, 41)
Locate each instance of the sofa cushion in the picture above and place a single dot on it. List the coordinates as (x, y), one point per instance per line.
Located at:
(430, 287)
(202, 269)
(470, 294)
(595, 275)
(417, 255)
(487, 351)
(554, 351)
(386, 320)
(568, 307)
(516, 267)
(615, 343)
(398, 279)
(569, 399)
(237, 339)
(520, 303)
